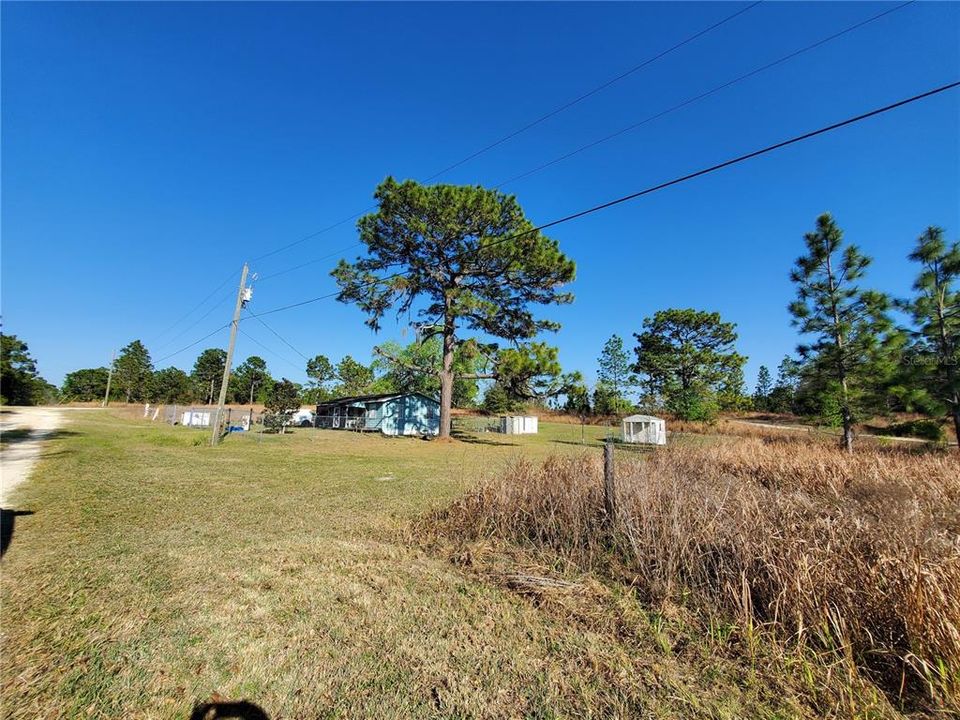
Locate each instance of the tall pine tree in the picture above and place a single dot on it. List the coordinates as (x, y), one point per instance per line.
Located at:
(133, 371)
(935, 309)
(464, 258)
(846, 322)
(615, 374)
(761, 395)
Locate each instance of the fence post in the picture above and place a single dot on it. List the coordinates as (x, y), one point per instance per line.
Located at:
(609, 482)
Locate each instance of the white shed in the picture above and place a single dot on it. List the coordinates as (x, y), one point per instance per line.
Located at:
(518, 424)
(196, 418)
(644, 429)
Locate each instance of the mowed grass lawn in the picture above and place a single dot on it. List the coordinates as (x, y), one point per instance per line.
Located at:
(157, 572)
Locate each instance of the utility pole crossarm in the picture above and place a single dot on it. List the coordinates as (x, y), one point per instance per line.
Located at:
(241, 298)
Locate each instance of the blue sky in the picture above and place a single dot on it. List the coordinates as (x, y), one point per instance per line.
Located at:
(149, 149)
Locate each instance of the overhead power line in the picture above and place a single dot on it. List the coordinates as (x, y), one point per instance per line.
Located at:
(594, 91)
(335, 253)
(524, 128)
(195, 342)
(268, 349)
(278, 335)
(191, 311)
(196, 322)
(664, 185)
(701, 96)
(636, 125)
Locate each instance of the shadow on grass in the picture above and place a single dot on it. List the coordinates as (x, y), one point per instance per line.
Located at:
(584, 444)
(12, 437)
(239, 709)
(8, 519)
(634, 448)
(478, 440)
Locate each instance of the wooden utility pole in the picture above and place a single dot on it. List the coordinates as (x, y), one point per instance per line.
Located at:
(215, 435)
(106, 395)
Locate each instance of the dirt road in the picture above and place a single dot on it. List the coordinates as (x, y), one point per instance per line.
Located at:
(802, 428)
(28, 427)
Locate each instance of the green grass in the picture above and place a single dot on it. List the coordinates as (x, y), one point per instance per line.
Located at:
(156, 572)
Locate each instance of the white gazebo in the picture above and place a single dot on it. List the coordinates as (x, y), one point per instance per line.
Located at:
(644, 429)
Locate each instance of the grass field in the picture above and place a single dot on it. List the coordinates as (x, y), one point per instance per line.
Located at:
(156, 573)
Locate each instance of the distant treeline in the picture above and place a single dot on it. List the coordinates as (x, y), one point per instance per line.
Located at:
(864, 354)
(856, 361)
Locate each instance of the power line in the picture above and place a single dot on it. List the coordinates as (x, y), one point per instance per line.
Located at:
(594, 91)
(195, 342)
(529, 125)
(661, 186)
(268, 349)
(282, 339)
(196, 322)
(193, 310)
(701, 96)
(634, 126)
(335, 253)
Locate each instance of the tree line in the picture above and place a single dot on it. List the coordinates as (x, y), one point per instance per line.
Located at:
(856, 361)
(20, 382)
(473, 269)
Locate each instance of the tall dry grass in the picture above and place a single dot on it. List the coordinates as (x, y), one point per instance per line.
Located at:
(856, 555)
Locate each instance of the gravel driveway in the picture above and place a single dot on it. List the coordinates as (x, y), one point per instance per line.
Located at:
(19, 455)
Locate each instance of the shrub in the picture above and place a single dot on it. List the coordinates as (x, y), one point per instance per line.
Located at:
(923, 429)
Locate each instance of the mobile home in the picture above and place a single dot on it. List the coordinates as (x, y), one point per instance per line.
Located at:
(388, 413)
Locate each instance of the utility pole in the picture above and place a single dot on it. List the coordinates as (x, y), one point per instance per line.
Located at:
(106, 395)
(241, 299)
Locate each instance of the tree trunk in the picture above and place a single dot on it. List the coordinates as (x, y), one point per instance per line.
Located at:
(946, 356)
(955, 411)
(847, 420)
(446, 382)
(845, 414)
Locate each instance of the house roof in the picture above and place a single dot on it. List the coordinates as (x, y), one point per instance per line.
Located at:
(642, 418)
(350, 400)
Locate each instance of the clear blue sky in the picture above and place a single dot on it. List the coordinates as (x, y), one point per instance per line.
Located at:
(149, 149)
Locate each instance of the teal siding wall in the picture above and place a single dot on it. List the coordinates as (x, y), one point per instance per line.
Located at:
(408, 415)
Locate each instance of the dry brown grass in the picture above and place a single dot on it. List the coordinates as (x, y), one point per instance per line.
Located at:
(850, 558)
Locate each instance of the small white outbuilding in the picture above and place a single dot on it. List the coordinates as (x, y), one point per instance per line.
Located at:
(518, 424)
(645, 429)
(196, 418)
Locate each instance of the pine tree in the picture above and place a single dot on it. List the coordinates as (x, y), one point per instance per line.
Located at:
(783, 395)
(935, 309)
(355, 377)
(250, 377)
(208, 373)
(20, 383)
(615, 374)
(761, 395)
(321, 373)
(133, 371)
(688, 358)
(466, 258)
(846, 322)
